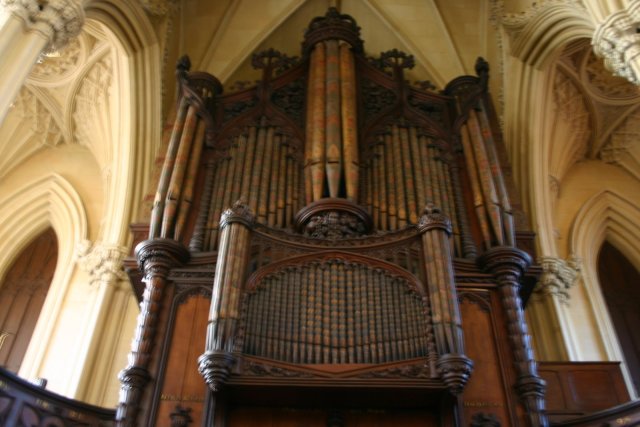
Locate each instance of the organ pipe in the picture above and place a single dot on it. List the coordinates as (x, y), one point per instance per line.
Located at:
(333, 122)
(349, 121)
(167, 169)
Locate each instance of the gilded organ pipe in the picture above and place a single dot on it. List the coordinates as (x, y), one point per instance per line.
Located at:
(315, 149)
(349, 121)
(333, 123)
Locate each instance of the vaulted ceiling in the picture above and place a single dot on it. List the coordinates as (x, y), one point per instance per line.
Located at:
(70, 99)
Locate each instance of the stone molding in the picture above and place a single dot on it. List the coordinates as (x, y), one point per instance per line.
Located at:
(102, 262)
(558, 276)
(617, 40)
(58, 20)
(159, 7)
(517, 21)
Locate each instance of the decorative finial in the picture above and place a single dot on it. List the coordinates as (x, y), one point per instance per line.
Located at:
(332, 26)
(432, 217)
(239, 212)
(482, 70)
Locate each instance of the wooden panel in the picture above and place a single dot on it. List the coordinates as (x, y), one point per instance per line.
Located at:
(579, 388)
(486, 391)
(276, 417)
(183, 385)
(389, 418)
(295, 417)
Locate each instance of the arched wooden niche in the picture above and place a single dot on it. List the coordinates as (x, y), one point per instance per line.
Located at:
(22, 294)
(335, 309)
(619, 283)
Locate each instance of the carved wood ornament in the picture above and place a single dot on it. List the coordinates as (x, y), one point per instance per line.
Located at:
(330, 209)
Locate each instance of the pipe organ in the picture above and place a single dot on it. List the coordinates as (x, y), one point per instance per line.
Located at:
(330, 247)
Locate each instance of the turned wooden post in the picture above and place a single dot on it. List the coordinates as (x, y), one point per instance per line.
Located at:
(233, 255)
(156, 257)
(508, 264)
(453, 366)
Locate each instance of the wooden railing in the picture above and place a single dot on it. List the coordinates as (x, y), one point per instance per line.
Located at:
(23, 403)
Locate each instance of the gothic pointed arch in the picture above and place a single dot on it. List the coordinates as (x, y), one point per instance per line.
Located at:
(50, 201)
(136, 94)
(605, 216)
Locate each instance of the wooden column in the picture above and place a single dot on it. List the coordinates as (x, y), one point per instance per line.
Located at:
(233, 255)
(156, 257)
(507, 264)
(453, 366)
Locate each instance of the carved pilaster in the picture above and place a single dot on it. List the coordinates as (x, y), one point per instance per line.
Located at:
(217, 361)
(558, 276)
(156, 257)
(617, 41)
(452, 365)
(59, 21)
(508, 264)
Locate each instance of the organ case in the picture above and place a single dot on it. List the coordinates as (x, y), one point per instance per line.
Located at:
(331, 246)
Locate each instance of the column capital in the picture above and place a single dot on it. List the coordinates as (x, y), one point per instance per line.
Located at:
(558, 276)
(157, 256)
(617, 41)
(505, 262)
(57, 20)
(103, 262)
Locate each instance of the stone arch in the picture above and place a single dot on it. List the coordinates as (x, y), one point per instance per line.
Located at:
(605, 216)
(545, 30)
(537, 38)
(137, 91)
(47, 202)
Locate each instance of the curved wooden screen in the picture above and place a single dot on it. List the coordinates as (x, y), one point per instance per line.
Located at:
(335, 312)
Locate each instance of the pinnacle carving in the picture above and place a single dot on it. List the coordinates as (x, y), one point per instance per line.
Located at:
(455, 370)
(432, 217)
(239, 212)
(215, 367)
(333, 25)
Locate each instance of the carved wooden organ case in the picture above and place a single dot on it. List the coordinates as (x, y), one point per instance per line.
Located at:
(333, 243)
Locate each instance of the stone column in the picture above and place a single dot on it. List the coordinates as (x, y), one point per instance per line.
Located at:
(33, 27)
(103, 263)
(617, 40)
(508, 264)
